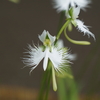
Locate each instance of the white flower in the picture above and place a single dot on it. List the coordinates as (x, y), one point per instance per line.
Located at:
(73, 14)
(62, 5)
(53, 55)
(59, 57)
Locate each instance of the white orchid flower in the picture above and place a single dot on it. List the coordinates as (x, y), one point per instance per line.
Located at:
(62, 5)
(59, 57)
(73, 14)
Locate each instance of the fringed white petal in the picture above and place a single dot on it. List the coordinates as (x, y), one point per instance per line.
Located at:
(61, 5)
(81, 3)
(83, 28)
(34, 57)
(58, 59)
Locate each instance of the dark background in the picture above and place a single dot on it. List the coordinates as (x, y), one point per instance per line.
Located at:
(21, 23)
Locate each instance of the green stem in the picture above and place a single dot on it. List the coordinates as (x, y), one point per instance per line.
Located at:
(60, 21)
(42, 89)
(74, 41)
(48, 83)
(45, 85)
(63, 27)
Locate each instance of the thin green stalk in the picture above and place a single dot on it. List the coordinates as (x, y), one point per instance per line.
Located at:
(62, 28)
(60, 21)
(45, 85)
(74, 41)
(48, 83)
(42, 89)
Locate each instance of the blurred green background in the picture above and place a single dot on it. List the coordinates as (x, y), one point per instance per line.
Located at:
(20, 23)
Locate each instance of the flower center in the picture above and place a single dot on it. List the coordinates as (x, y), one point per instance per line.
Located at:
(47, 42)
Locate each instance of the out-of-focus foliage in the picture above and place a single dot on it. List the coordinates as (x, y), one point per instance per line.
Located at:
(92, 66)
(15, 1)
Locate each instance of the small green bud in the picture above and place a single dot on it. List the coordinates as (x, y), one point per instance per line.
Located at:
(70, 27)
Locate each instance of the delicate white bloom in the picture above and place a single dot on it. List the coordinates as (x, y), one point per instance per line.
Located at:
(73, 14)
(62, 5)
(57, 55)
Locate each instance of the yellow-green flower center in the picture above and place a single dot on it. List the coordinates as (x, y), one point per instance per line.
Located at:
(47, 42)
